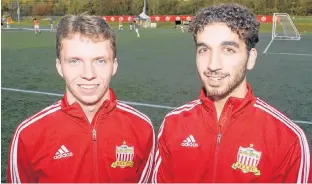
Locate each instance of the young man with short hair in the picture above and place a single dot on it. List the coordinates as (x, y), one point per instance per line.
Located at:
(136, 26)
(36, 26)
(8, 21)
(120, 25)
(182, 26)
(228, 134)
(88, 136)
(130, 24)
(51, 23)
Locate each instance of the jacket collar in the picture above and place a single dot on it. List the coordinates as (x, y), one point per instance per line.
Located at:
(75, 109)
(237, 104)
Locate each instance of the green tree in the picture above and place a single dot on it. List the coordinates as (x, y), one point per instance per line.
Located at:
(136, 7)
(77, 7)
(60, 8)
(175, 7)
(4, 7)
(167, 7)
(42, 9)
(185, 8)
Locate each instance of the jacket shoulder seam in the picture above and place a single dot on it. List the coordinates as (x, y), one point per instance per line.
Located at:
(186, 107)
(301, 138)
(127, 108)
(276, 114)
(40, 115)
(16, 137)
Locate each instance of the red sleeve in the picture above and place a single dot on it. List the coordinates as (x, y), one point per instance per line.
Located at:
(163, 164)
(310, 172)
(295, 165)
(146, 167)
(19, 169)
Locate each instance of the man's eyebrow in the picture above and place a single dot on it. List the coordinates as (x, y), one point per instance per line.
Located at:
(72, 57)
(201, 44)
(99, 57)
(230, 43)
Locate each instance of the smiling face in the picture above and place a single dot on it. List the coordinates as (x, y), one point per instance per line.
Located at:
(222, 61)
(87, 68)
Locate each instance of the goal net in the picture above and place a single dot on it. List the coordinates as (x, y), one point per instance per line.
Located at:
(284, 28)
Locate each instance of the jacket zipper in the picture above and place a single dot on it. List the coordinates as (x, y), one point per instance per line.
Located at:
(219, 135)
(222, 121)
(94, 143)
(95, 161)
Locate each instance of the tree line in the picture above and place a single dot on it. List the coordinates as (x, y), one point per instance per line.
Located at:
(154, 7)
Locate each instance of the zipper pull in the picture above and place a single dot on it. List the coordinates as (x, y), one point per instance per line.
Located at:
(219, 135)
(219, 138)
(94, 134)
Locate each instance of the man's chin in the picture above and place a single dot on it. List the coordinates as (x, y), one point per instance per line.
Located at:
(90, 100)
(216, 92)
(217, 95)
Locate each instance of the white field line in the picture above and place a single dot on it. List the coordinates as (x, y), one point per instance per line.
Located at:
(267, 47)
(127, 102)
(289, 54)
(60, 95)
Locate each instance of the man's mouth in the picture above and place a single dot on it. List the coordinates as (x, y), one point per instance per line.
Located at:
(88, 86)
(215, 78)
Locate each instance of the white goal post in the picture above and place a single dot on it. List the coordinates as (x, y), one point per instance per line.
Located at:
(283, 28)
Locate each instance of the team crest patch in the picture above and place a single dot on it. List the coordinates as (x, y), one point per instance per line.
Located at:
(124, 156)
(248, 160)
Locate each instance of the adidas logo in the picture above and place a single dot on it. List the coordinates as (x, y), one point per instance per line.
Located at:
(62, 153)
(189, 142)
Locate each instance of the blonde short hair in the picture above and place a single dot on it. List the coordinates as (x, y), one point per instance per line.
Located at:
(92, 27)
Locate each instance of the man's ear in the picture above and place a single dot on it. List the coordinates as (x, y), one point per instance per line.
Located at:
(59, 67)
(115, 66)
(252, 59)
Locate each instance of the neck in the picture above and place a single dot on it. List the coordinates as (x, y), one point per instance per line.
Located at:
(239, 92)
(219, 104)
(89, 109)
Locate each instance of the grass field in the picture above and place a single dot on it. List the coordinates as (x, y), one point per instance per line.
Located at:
(158, 68)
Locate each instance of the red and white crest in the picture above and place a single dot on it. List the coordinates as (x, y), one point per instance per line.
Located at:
(248, 160)
(124, 156)
(248, 156)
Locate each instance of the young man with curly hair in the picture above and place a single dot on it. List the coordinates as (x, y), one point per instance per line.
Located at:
(228, 134)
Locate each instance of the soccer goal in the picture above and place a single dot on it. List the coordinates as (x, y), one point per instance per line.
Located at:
(283, 28)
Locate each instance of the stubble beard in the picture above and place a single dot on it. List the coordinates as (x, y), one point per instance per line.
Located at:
(224, 91)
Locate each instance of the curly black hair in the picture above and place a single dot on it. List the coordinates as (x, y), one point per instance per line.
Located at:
(237, 17)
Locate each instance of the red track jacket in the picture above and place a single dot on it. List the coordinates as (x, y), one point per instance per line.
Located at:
(59, 144)
(251, 142)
